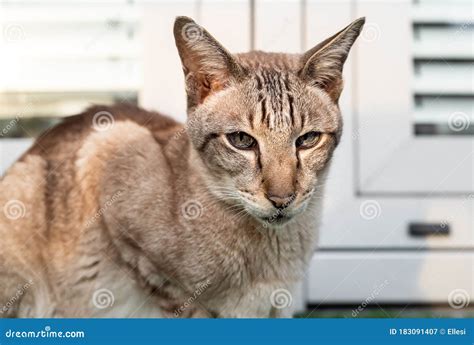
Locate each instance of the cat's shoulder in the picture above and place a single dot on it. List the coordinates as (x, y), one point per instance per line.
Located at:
(73, 131)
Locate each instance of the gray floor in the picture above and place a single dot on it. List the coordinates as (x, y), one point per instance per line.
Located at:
(390, 312)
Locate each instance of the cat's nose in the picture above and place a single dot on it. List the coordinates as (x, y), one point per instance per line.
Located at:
(281, 201)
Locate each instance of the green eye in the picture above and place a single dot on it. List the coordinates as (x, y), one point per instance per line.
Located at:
(241, 140)
(308, 140)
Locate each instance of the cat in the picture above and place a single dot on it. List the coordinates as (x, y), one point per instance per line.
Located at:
(121, 212)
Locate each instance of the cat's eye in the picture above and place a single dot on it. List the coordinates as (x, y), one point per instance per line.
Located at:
(241, 140)
(308, 140)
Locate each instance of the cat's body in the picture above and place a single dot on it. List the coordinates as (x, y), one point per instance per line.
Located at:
(138, 219)
(139, 171)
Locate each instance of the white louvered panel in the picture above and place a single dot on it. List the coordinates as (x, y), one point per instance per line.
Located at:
(451, 42)
(48, 12)
(440, 109)
(98, 40)
(63, 50)
(393, 159)
(70, 75)
(443, 57)
(76, 30)
(442, 11)
(444, 78)
(46, 104)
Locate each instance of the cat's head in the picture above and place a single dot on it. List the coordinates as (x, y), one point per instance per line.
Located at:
(264, 124)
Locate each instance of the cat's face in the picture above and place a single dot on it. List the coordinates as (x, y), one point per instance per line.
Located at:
(265, 125)
(266, 148)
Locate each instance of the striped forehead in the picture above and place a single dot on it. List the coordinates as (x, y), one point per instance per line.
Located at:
(275, 108)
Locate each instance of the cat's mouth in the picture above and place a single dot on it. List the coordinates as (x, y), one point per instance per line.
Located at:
(276, 219)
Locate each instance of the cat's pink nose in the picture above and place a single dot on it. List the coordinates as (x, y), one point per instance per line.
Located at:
(281, 201)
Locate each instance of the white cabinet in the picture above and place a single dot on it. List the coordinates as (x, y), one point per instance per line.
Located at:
(400, 203)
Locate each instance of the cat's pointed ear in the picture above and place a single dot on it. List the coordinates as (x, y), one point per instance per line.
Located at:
(207, 65)
(322, 65)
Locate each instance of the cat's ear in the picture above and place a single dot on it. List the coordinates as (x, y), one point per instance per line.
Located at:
(207, 65)
(322, 65)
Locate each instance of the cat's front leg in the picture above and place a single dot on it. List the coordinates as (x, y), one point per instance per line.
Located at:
(260, 301)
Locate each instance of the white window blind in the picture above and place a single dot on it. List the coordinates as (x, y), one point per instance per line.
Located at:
(59, 57)
(443, 54)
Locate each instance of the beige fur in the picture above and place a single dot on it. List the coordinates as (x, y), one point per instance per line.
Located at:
(147, 218)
